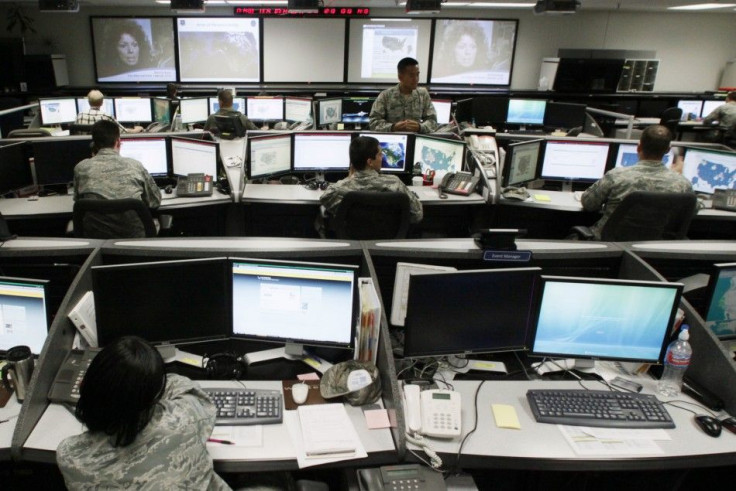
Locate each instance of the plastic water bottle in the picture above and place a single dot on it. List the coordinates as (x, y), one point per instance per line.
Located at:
(676, 361)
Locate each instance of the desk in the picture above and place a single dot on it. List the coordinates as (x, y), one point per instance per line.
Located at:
(276, 453)
(9, 412)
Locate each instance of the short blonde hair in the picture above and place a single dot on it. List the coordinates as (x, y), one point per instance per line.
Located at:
(95, 98)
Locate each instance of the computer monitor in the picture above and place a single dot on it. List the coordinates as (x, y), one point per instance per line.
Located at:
(520, 166)
(463, 312)
(108, 106)
(321, 152)
(151, 152)
(443, 108)
(720, 315)
(265, 108)
(145, 299)
(15, 171)
(133, 110)
(329, 111)
(54, 160)
(356, 109)
(583, 318)
(238, 104)
(25, 318)
(58, 111)
(297, 109)
(161, 110)
(194, 156)
(395, 147)
(708, 169)
(585, 75)
(526, 111)
(296, 304)
(652, 108)
(574, 161)
(709, 106)
(269, 156)
(193, 110)
(230, 126)
(691, 109)
(489, 111)
(564, 115)
(464, 110)
(627, 155)
(438, 154)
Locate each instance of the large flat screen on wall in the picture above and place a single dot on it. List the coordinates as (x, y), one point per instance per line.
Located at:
(137, 49)
(479, 52)
(219, 49)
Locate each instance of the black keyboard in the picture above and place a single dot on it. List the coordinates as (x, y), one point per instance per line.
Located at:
(236, 407)
(598, 408)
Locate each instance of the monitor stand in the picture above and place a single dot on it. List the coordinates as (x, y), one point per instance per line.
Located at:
(290, 351)
(464, 365)
(567, 186)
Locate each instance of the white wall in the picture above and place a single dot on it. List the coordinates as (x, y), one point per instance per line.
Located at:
(693, 48)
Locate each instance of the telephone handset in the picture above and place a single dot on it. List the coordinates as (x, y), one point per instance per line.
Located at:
(462, 183)
(724, 199)
(404, 476)
(435, 412)
(194, 185)
(157, 127)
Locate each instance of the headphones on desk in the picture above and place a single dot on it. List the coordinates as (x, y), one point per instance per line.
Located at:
(314, 185)
(224, 366)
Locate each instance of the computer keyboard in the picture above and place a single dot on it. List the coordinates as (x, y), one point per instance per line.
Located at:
(598, 408)
(528, 132)
(237, 407)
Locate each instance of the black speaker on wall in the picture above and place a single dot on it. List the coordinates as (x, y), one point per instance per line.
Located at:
(58, 5)
(187, 4)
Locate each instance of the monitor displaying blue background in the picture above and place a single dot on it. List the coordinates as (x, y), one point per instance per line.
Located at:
(721, 316)
(526, 111)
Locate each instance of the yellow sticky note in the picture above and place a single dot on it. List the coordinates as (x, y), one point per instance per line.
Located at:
(542, 197)
(505, 416)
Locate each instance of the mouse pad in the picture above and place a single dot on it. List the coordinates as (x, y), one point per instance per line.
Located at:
(314, 396)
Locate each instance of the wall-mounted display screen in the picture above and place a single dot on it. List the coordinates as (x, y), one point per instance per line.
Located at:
(134, 49)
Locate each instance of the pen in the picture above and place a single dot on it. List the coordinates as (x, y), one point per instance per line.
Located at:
(215, 440)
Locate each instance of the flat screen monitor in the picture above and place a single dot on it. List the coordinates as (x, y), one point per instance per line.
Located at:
(691, 109)
(522, 159)
(151, 152)
(238, 104)
(161, 110)
(721, 312)
(58, 111)
(584, 318)
(438, 154)
(464, 110)
(133, 110)
(194, 110)
(627, 156)
(134, 49)
(395, 147)
(297, 109)
(294, 303)
(478, 52)
(55, 160)
(526, 111)
(145, 299)
(588, 75)
(219, 49)
(269, 156)
(108, 106)
(708, 170)
(652, 108)
(193, 156)
(356, 109)
(265, 108)
(443, 108)
(321, 152)
(574, 161)
(564, 115)
(489, 111)
(709, 106)
(463, 312)
(15, 171)
(329, 111)
(23, 313)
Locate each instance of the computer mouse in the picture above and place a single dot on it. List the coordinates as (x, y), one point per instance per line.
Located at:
(169, 189)
(299, 393)
(710, 425)
(729, 423)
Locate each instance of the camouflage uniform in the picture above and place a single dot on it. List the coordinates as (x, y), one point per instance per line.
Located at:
(169, 453)
(726, 117)
(369, 180)
(229, 111)
(646, 175)
(107, 175)
(391, 107)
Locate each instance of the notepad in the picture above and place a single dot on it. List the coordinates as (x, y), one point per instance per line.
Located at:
(327, 431)
(505, 416)
(542, 197)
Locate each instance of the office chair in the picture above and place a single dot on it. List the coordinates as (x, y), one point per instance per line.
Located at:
(371, 215)
(647, 215)
(671, 119)
(80, 129)
(29, 132)
(86, 209)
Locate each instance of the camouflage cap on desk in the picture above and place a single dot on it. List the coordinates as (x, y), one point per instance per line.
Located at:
(358, 381)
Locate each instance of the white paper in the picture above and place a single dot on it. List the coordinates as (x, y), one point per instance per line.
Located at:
(241, 436)
(584, 443)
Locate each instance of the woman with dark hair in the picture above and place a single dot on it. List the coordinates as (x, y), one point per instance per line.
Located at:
(146, 429)
(464, 48)
(127, 48)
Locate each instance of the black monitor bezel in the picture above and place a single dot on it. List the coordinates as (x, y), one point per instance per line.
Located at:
(510, 149)
(249, 170)
(525, 123)
(543, 156)
(48, 315)
(715, 273)
(324, 170)
(566, 108)
(185, 100)
(423, 136)
(279, 98)
(318, 115)
(65, 122)
(409, 151)
(49, 175)
(9, 167)
(365, 119)
(218, 161)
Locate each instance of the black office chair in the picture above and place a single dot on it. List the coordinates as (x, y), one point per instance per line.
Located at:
(371, 215)
(80, 129)
(29, 132)
(671, 119)
(86, 224)
(647, 215)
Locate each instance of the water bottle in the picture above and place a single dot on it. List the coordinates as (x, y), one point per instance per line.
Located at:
(676, 361)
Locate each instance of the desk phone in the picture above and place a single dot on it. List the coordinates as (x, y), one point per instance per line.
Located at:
(462, 183)
(724, 199)
(194, 185)
(434, 412)
(403, 476)
(65, 388)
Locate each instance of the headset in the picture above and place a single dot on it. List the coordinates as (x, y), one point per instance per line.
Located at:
(224, 366)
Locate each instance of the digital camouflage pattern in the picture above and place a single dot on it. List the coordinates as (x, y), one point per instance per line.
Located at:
(391, 107)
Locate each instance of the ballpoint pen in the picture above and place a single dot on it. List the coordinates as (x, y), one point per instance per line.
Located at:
(225, 442)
